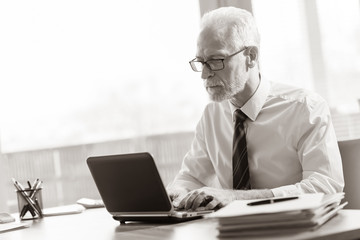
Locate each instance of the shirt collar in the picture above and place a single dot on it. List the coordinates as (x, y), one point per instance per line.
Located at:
(254, 105)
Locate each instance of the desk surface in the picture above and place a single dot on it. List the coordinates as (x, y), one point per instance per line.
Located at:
(98, 224)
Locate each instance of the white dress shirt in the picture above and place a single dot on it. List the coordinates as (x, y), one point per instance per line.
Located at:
(292, 147)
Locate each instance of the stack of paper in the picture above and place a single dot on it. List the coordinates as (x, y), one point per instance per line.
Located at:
(305, 212)
(13, 225)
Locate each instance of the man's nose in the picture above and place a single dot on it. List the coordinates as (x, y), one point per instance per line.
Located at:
(206, 72)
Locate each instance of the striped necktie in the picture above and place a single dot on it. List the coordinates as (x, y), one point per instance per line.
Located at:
(241, 175)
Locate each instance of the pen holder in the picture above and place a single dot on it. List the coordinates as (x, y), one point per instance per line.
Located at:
(30, 203)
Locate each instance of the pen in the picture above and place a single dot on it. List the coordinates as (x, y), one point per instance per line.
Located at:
(29, 184)
(31, 203)
(23, 211)
(34, 189)
(35, 182)
(271, 201)
(39, 207)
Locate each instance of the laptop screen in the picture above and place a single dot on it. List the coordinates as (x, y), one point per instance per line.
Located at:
(129, 183)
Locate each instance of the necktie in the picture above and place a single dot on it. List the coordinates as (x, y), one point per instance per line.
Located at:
(241, 175)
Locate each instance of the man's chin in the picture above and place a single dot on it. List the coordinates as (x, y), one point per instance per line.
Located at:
(216, 98)
(216, 94)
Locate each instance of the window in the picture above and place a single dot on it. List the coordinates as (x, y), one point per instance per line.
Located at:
(79, 72)
(75, 72)
(314, 44)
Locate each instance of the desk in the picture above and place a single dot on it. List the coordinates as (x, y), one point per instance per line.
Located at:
(98, 224)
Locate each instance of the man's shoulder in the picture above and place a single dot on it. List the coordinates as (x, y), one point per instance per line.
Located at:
(290, 93)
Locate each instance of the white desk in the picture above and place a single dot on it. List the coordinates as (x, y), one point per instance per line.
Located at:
(98, 224)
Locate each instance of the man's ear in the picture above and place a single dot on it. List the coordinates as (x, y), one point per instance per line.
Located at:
(252, 54)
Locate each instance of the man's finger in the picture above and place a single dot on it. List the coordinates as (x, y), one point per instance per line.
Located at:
(199, 200)
(188, 202)
(183, 200)
(178, 201)
(208, 198)
(212, 205)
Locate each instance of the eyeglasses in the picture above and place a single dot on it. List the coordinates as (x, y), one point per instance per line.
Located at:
(213, 64)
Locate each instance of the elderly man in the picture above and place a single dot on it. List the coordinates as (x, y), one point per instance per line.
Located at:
(257, 138)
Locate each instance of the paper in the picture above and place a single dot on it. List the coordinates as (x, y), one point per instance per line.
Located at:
(279, 228)
(5, 218)
(90, 203)
(309, 211)
(63, 210)
(13, 225)
(240, 207)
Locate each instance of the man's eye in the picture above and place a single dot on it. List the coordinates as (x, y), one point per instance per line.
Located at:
(215, 62)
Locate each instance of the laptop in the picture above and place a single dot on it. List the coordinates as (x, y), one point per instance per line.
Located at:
(132, 190)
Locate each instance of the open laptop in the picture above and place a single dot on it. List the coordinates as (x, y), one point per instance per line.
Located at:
(132, 190)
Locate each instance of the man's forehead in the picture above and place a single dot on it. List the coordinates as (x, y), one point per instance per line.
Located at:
(209, 53)
(209, 44)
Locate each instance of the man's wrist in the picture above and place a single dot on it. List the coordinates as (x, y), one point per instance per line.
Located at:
(252, 194)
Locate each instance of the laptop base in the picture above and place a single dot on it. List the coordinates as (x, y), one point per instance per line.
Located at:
(153, 219)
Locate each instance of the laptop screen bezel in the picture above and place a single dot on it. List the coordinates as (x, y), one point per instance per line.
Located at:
(117, 180)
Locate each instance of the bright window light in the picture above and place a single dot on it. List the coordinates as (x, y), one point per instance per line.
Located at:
(80, 71)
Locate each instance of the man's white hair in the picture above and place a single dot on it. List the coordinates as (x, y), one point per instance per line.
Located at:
(234, 27)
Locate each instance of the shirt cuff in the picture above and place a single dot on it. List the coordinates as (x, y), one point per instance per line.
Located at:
(187, 183)
(284, 191)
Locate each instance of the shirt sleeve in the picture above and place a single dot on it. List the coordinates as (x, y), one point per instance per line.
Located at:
(318, 153)
(197, 169)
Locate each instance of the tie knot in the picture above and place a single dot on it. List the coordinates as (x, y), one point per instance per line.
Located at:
(239, 115)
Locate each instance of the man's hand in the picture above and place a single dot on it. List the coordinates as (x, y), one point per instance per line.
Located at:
(206, 198)
(176, 195)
